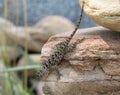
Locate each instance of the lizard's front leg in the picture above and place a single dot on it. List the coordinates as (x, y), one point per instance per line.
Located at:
(72, 46)
(55, 68)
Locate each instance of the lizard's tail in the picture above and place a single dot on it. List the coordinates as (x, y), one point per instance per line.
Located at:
(78, 24)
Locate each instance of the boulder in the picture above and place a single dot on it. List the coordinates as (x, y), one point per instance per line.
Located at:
(12, 35)
(104, 12)
(52, 25)
(20, 36)
(33, 38)
(92, 68)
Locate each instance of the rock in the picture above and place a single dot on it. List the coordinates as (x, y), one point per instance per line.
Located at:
(30, 60)
(12, 35)
(77, 88)
(91, 69)
(9, 52)
(21, 36)
(104, 12)
(52, 25)
(34, 37)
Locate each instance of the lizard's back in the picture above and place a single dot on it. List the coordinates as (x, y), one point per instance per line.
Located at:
(54, 59)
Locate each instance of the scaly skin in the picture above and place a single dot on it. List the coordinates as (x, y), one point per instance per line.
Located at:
(56, 57)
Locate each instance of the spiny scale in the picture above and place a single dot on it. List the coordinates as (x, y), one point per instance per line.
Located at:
(56, 57)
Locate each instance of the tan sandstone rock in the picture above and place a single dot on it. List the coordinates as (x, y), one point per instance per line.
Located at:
(104, 12)
(91, 69)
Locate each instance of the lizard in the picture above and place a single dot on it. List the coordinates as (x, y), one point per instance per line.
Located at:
(61, 49)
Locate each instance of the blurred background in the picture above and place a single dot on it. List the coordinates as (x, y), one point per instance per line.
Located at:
(38, 9)
(25, 26)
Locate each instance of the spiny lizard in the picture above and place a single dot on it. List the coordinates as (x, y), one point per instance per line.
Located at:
(61, 49)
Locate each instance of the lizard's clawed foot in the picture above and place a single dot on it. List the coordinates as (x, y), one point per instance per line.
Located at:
(57, 71)
(59, 74)
(72, 46)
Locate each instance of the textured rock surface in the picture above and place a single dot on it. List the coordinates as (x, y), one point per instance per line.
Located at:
(91, 69)
(104, 12)
(77, 88)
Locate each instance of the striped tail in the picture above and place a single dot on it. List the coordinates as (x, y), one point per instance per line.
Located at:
(78, 24)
